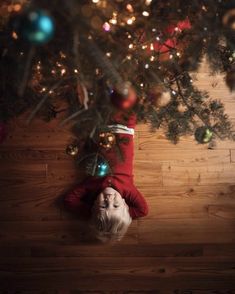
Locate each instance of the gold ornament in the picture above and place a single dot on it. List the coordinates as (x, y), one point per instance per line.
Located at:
(72, 149)
(107, 140)
(159, 96)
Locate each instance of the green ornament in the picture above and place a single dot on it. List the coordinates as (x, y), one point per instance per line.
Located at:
(203, 135)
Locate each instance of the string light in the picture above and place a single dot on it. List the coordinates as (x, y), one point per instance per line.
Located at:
(14, 35)
(131, 46)
(145, 13)
(106, 26)
(148, 2)
(130, 20)
(113, 21)
(63, 71)
(129, 7)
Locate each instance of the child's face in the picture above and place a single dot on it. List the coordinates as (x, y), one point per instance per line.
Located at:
(111, 200)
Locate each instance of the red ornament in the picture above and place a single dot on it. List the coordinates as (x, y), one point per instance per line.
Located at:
(171, 30)
(122, 101)
(3, 132)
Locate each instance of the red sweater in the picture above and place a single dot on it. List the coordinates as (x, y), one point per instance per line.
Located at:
(81, 199)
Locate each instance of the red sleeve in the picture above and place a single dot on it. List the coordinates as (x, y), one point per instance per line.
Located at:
(138, 206)
(73, 201)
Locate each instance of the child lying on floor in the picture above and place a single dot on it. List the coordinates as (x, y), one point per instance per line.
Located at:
(111, 202)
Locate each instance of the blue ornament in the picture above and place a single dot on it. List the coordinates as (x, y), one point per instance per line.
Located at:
(97, 166)
(36, 26)
(102, 169)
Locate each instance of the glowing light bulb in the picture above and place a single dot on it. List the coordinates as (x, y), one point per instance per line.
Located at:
(113, 21)
(145, 13)
(63, 71)
(129, 7)
(148, 2)
(129, 21)
(106, 26)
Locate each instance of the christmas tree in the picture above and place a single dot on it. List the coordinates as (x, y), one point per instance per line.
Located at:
(73, 56)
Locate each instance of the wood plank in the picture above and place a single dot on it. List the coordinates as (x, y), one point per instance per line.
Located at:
(233, 155)
(64, 172)
(175, 231)
(197, 174)
(146, 172)
(213, 192)
(128, 250)
(189, 202)
(117, 250)
(54, 232)
(153, 273)
(190, 208)
(23, 171)
(38, 137)
(29, 155)
(188, 156)
(32, 202)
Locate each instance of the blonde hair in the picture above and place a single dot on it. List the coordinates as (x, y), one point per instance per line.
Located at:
(110, 228)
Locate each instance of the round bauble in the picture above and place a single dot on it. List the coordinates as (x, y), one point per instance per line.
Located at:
(203, 135)
(97, 166)
(124, 96)
(35, 26)
(72, 149)
(107, 140)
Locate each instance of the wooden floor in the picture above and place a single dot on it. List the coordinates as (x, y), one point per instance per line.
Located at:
(185, 245)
